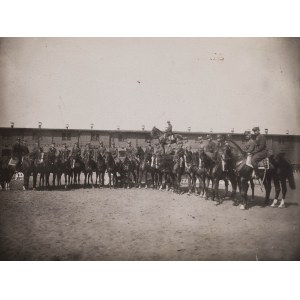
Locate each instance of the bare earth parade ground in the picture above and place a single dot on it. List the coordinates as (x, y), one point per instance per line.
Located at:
(140, 224)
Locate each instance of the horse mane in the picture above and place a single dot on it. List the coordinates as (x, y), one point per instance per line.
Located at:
(237, 147)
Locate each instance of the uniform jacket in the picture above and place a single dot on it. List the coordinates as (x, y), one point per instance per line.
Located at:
(249, 146)
(211, 147)
(260, 143)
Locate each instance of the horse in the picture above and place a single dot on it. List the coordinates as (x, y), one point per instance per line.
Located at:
(39, 168)
(172, 168)
(129, 167)
(27, 168)
(77, 167)
(89, 167)
(111, 169)
(216, 169)
(100, 168)
(244, 173)
(194, 171)
(66, 168)
(144, 167)
(6, 172)
(284, 171)
(156, 133)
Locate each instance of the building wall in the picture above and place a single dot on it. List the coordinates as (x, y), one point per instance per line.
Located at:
(8, 136)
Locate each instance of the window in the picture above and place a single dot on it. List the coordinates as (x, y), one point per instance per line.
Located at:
(66, 136)
(281, 141)
(94, 137)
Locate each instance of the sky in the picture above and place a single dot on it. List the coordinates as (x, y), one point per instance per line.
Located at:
(206, 83)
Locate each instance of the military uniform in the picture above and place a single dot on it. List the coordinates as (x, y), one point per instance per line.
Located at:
(65, 152)
(35, 153)
(76, 152)
(169, 150)
(260, 152)
(24, 150)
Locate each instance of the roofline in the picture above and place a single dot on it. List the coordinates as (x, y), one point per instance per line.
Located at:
(136, 131)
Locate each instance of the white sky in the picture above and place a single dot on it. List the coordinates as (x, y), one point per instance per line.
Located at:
(218, 83)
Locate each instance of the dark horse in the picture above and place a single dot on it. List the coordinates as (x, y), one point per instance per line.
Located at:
(284, 171)
(129, 167)
(144, 167)
(244, 173)
(100, 168)
(216, 168)
(172, 167)
(111, 169)
(156, 133)
(89, 167)
(6, 172)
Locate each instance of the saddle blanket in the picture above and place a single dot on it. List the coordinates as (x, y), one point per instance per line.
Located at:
(263, 164)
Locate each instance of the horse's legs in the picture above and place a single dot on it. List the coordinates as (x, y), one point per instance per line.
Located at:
(277, 191)
(284, 191)
(252, 188)
(226, 187)
(244, 187)
(267, 185)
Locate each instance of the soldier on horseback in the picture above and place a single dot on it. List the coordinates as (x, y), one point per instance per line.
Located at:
(149, 149)
(35, 153)
(179, 153)
(168, 132)
(76, 153)
(211, 147)
(24, 147)
(65, 151)
(16, 157)
(87, 150)
(114, 151)
(101, 149)
(260, 152)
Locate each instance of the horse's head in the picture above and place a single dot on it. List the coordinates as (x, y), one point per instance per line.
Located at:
(155, 132)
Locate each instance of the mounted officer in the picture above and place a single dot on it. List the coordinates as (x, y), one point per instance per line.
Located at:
(168, 132)
(260, 152)
(101, 149)
(211, 147)
(130, 151)
(179, 153)
(249, 145)
(24, 147)
(76, 153)
(157, 152)
(87, 150)
(65, 151)
(52, 152)
(16, 155)
(35, 153)
(114, 151)
(149, 149)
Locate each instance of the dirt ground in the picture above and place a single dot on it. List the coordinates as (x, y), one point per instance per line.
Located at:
(140, 224)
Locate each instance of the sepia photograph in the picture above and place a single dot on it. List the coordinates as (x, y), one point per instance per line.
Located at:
(149, 149)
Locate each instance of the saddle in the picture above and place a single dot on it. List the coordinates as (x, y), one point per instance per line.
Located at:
(264, 164)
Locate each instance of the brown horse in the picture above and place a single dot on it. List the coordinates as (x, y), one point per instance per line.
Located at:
(284, 171)
(100, 168)
(144, 167)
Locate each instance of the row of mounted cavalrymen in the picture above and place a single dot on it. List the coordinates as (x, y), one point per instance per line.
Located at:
(256, 148)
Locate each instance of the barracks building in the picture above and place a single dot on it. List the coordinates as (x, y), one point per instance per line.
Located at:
(290, 144)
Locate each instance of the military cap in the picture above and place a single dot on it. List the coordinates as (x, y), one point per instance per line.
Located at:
(255, 129)
(201, 148)
(208, 136)
(168, 122)
(247, 132)
(219, 136)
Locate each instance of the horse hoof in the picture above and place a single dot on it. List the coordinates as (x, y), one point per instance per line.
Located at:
(24, 188)
(282, 205)
(242, 207)
(217, 203)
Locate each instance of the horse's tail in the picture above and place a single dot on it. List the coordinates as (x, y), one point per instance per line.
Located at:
(291, 180)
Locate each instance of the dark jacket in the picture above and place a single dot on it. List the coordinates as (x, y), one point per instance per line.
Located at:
(249, 146)
(260, 143)
(211, 147)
